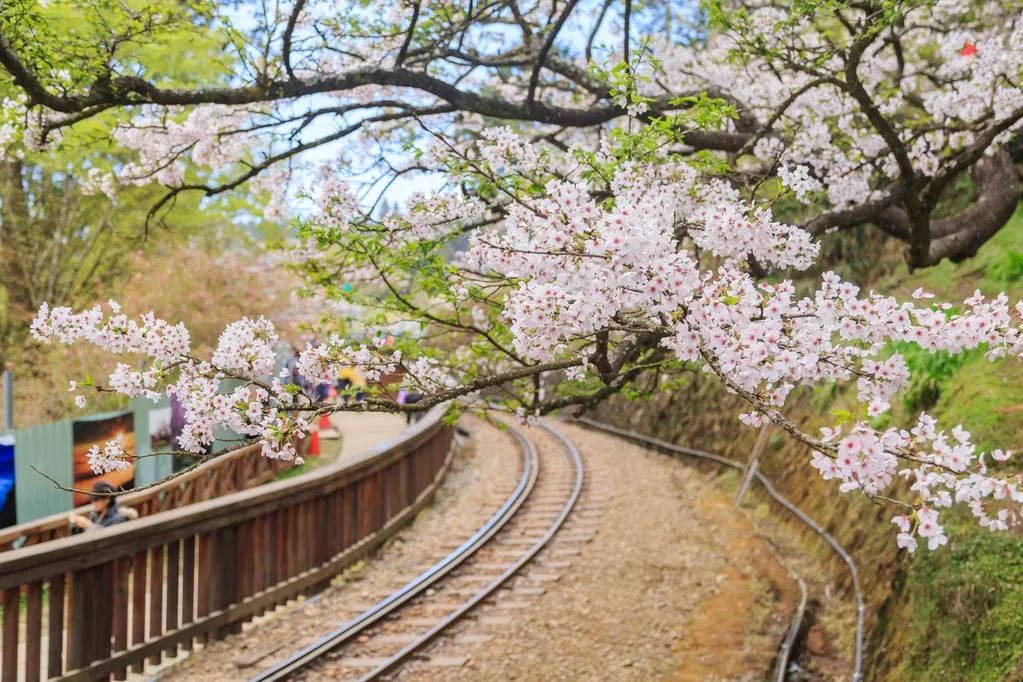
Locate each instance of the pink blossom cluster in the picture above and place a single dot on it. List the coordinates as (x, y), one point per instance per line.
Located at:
(336, 205)
(663, 251)
(324, 362)
(798, 178)
(236, 390)
(940, 469)
(149, 336)
(937, 87)
(112, 457)
(211, 135)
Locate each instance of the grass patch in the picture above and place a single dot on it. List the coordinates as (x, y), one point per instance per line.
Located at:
(987, 398)
(965, 609)
(930, 373)
(1008, 268)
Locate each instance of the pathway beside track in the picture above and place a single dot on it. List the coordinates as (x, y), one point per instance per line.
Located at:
(360, 431)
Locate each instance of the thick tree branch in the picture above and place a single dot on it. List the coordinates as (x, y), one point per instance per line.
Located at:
(960, 236)
(548, 43)
(289, 31)
(861, 213)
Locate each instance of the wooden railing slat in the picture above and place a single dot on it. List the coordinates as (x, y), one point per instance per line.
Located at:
(188, 579)
(204, 582)
(121, 608)
(172, 606)
(90, 625)
(9, 661)
(139, 567)
(225, 568)
(33, 630)
(155, 597)
(55, 629)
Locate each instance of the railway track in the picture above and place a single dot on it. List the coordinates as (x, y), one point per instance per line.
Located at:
(382, 639)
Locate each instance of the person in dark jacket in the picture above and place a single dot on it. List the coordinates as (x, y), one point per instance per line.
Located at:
(105, 510)
(410, 398)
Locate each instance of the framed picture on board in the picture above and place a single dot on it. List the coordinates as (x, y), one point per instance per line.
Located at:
(89, 432)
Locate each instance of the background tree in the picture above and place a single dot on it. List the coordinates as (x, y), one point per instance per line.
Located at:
(225, 281)
(69, 234)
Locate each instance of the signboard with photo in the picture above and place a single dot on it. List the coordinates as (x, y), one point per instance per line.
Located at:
(160, 429)
(165, 425)
(89, 432)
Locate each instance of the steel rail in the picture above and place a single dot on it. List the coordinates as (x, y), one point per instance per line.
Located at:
(396, 661)
(785, 651)
(350, 630)
(650, 441)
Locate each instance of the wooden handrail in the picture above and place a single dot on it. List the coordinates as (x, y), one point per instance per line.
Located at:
(123, 595)
(233, 471)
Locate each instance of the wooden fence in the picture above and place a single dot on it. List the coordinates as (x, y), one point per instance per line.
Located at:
(92, 605)
(234, 471)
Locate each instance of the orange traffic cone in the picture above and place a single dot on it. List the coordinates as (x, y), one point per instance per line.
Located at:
(325, 421)
(314, 444)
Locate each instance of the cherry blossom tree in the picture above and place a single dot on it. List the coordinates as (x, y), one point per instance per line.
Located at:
(620, 226)
(876, 110)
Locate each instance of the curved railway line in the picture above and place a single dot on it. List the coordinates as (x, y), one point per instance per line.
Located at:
(397, 628)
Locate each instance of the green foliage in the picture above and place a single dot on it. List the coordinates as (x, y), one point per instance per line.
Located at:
(165, 40)
(930, 373)
(1008, 268)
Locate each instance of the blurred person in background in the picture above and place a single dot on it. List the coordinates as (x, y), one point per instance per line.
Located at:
(106, 511)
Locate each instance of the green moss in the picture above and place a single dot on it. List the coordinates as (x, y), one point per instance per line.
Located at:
(987, 398)
(1008, 268)
(963, 615)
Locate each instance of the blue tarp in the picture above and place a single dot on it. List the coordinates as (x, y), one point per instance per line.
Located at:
(7, 508)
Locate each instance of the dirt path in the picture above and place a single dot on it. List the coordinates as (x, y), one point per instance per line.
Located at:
(361, 431)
